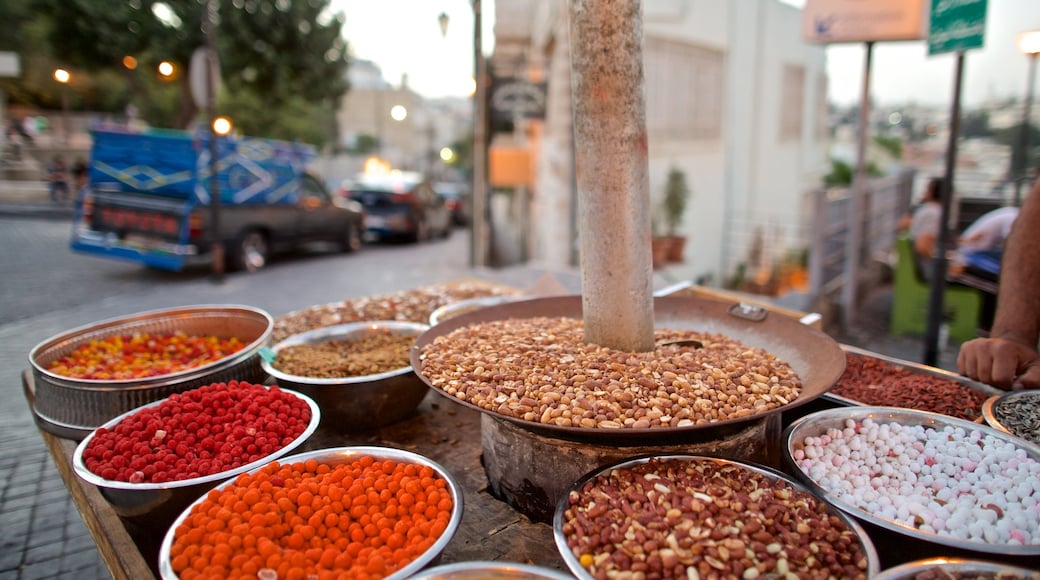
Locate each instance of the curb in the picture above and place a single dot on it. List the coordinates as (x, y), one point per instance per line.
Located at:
(37, 210)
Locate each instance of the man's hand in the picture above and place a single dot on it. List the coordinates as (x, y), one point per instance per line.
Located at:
(1003, 363)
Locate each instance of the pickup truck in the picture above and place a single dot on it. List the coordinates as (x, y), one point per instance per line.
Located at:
(147, 200)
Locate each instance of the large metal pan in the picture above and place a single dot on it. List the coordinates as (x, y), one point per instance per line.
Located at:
(817, 358)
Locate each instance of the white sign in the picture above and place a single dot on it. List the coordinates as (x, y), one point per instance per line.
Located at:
(9, 65)
(199, 90)
(827, 21)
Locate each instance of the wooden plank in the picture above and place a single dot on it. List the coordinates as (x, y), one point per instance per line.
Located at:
(117, 548)
(440, 430)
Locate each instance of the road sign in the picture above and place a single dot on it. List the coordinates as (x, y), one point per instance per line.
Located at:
(956, 25)
(830, 21)
(513, 98)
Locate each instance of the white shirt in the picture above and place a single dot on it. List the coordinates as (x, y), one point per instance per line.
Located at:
(989, 231)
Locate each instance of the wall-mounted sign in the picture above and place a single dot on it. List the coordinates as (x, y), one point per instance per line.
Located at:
(513, 98)
(828, 21)
(956, 25)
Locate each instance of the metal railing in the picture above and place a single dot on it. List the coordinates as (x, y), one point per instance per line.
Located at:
(849, 234)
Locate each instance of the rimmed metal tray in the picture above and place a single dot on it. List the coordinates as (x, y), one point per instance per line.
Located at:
(957, 568)
(72, 408)
(982, 388)
(815, 356)
(817, 424)
(574, 564)
(336, 456)
(992, 405)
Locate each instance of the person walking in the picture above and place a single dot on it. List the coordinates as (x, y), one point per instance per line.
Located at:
(58, 178)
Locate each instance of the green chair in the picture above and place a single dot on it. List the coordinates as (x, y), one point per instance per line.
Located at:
(910, 298)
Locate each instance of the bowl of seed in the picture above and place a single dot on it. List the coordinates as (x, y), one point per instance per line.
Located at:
(1016, 413)
(359, 374)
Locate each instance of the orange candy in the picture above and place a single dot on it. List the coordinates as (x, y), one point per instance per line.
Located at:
(321, 521)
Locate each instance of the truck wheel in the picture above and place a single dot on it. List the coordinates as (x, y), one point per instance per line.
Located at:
(351, 241)
(250, 251)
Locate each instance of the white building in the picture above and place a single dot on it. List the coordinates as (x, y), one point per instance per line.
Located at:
(734, 98)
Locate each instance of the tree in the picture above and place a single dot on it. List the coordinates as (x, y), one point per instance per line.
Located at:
(1012, 137)
(277, 53)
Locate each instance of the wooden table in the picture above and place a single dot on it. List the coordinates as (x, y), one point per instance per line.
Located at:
(446, 433)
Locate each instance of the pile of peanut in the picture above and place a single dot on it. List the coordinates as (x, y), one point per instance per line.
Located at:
(541, 370)
(705, 518)
(414, 305)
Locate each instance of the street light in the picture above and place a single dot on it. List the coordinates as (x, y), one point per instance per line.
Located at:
(1029, 44)
(63, 76)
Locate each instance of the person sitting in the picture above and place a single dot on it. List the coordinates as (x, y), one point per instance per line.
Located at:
(924, 226)
(980, 246)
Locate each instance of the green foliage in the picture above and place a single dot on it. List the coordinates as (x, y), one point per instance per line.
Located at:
(892, 145)
(286, 57)
(842, 173)
(976, 124)
(673, 204)
(1012, 137)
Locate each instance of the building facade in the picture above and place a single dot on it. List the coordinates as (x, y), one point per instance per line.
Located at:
(735, 99)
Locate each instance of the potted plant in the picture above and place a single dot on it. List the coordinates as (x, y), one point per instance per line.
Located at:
(673, 206)
(660, 246)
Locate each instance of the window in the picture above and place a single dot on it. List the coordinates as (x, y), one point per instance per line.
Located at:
(684, 88)
(792, 102)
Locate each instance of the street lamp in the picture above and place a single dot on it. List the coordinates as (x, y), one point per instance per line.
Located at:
(1029, 44)
(63, 76)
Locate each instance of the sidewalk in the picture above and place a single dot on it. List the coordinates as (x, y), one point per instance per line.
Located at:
(31, 199)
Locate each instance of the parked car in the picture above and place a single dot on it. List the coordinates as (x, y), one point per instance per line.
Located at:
(457, 197)
(400, 205)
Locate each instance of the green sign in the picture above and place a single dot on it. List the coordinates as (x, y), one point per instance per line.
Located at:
(956, 25)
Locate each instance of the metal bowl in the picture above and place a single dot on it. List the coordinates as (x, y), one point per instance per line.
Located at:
(574, 565)
(72, 408)
(335, 456)
(816, 357)
(818, 423)
(161, 502)
(1012, 398)
(481, 570)
(356, 403)
(957, 568)
(453, 309)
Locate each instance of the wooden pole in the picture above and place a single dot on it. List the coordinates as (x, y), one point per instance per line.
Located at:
(611, 161)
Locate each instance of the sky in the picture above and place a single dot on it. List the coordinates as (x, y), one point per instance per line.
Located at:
(403, 37)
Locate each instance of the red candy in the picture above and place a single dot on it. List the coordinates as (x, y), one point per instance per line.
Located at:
(198, 433)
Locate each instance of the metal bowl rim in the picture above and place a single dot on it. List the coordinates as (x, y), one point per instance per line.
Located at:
(989, 409)
(378, 452)
(907, 570)
(247, 350)
(492, 566)
(335, 331)
(439, 312)
(81, 469)
(560, 539)
(894, 414)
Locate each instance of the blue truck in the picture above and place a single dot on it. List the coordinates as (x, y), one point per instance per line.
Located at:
(147, 200)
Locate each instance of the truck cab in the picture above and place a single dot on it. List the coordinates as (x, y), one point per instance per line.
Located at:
(148, 200)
